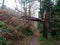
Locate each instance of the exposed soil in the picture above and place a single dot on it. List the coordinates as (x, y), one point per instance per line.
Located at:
(34, 40)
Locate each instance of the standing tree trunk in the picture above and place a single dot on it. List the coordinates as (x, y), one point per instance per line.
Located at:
(45, 24)
(47, 6)
(3, 4)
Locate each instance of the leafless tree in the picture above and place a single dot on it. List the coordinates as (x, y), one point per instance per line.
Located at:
(3, 4)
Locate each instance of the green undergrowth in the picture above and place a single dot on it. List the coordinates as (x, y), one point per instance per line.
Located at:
(8, 30)
(3, 41)
(50, 40)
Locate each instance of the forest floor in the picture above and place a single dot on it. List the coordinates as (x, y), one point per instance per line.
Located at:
(34, 40)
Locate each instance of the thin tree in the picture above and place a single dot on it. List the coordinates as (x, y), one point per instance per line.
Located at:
(3, 4)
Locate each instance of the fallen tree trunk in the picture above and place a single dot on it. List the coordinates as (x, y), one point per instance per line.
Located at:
(44, 21)
(32, 18)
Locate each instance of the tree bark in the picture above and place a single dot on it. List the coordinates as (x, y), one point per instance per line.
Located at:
(33, 18)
